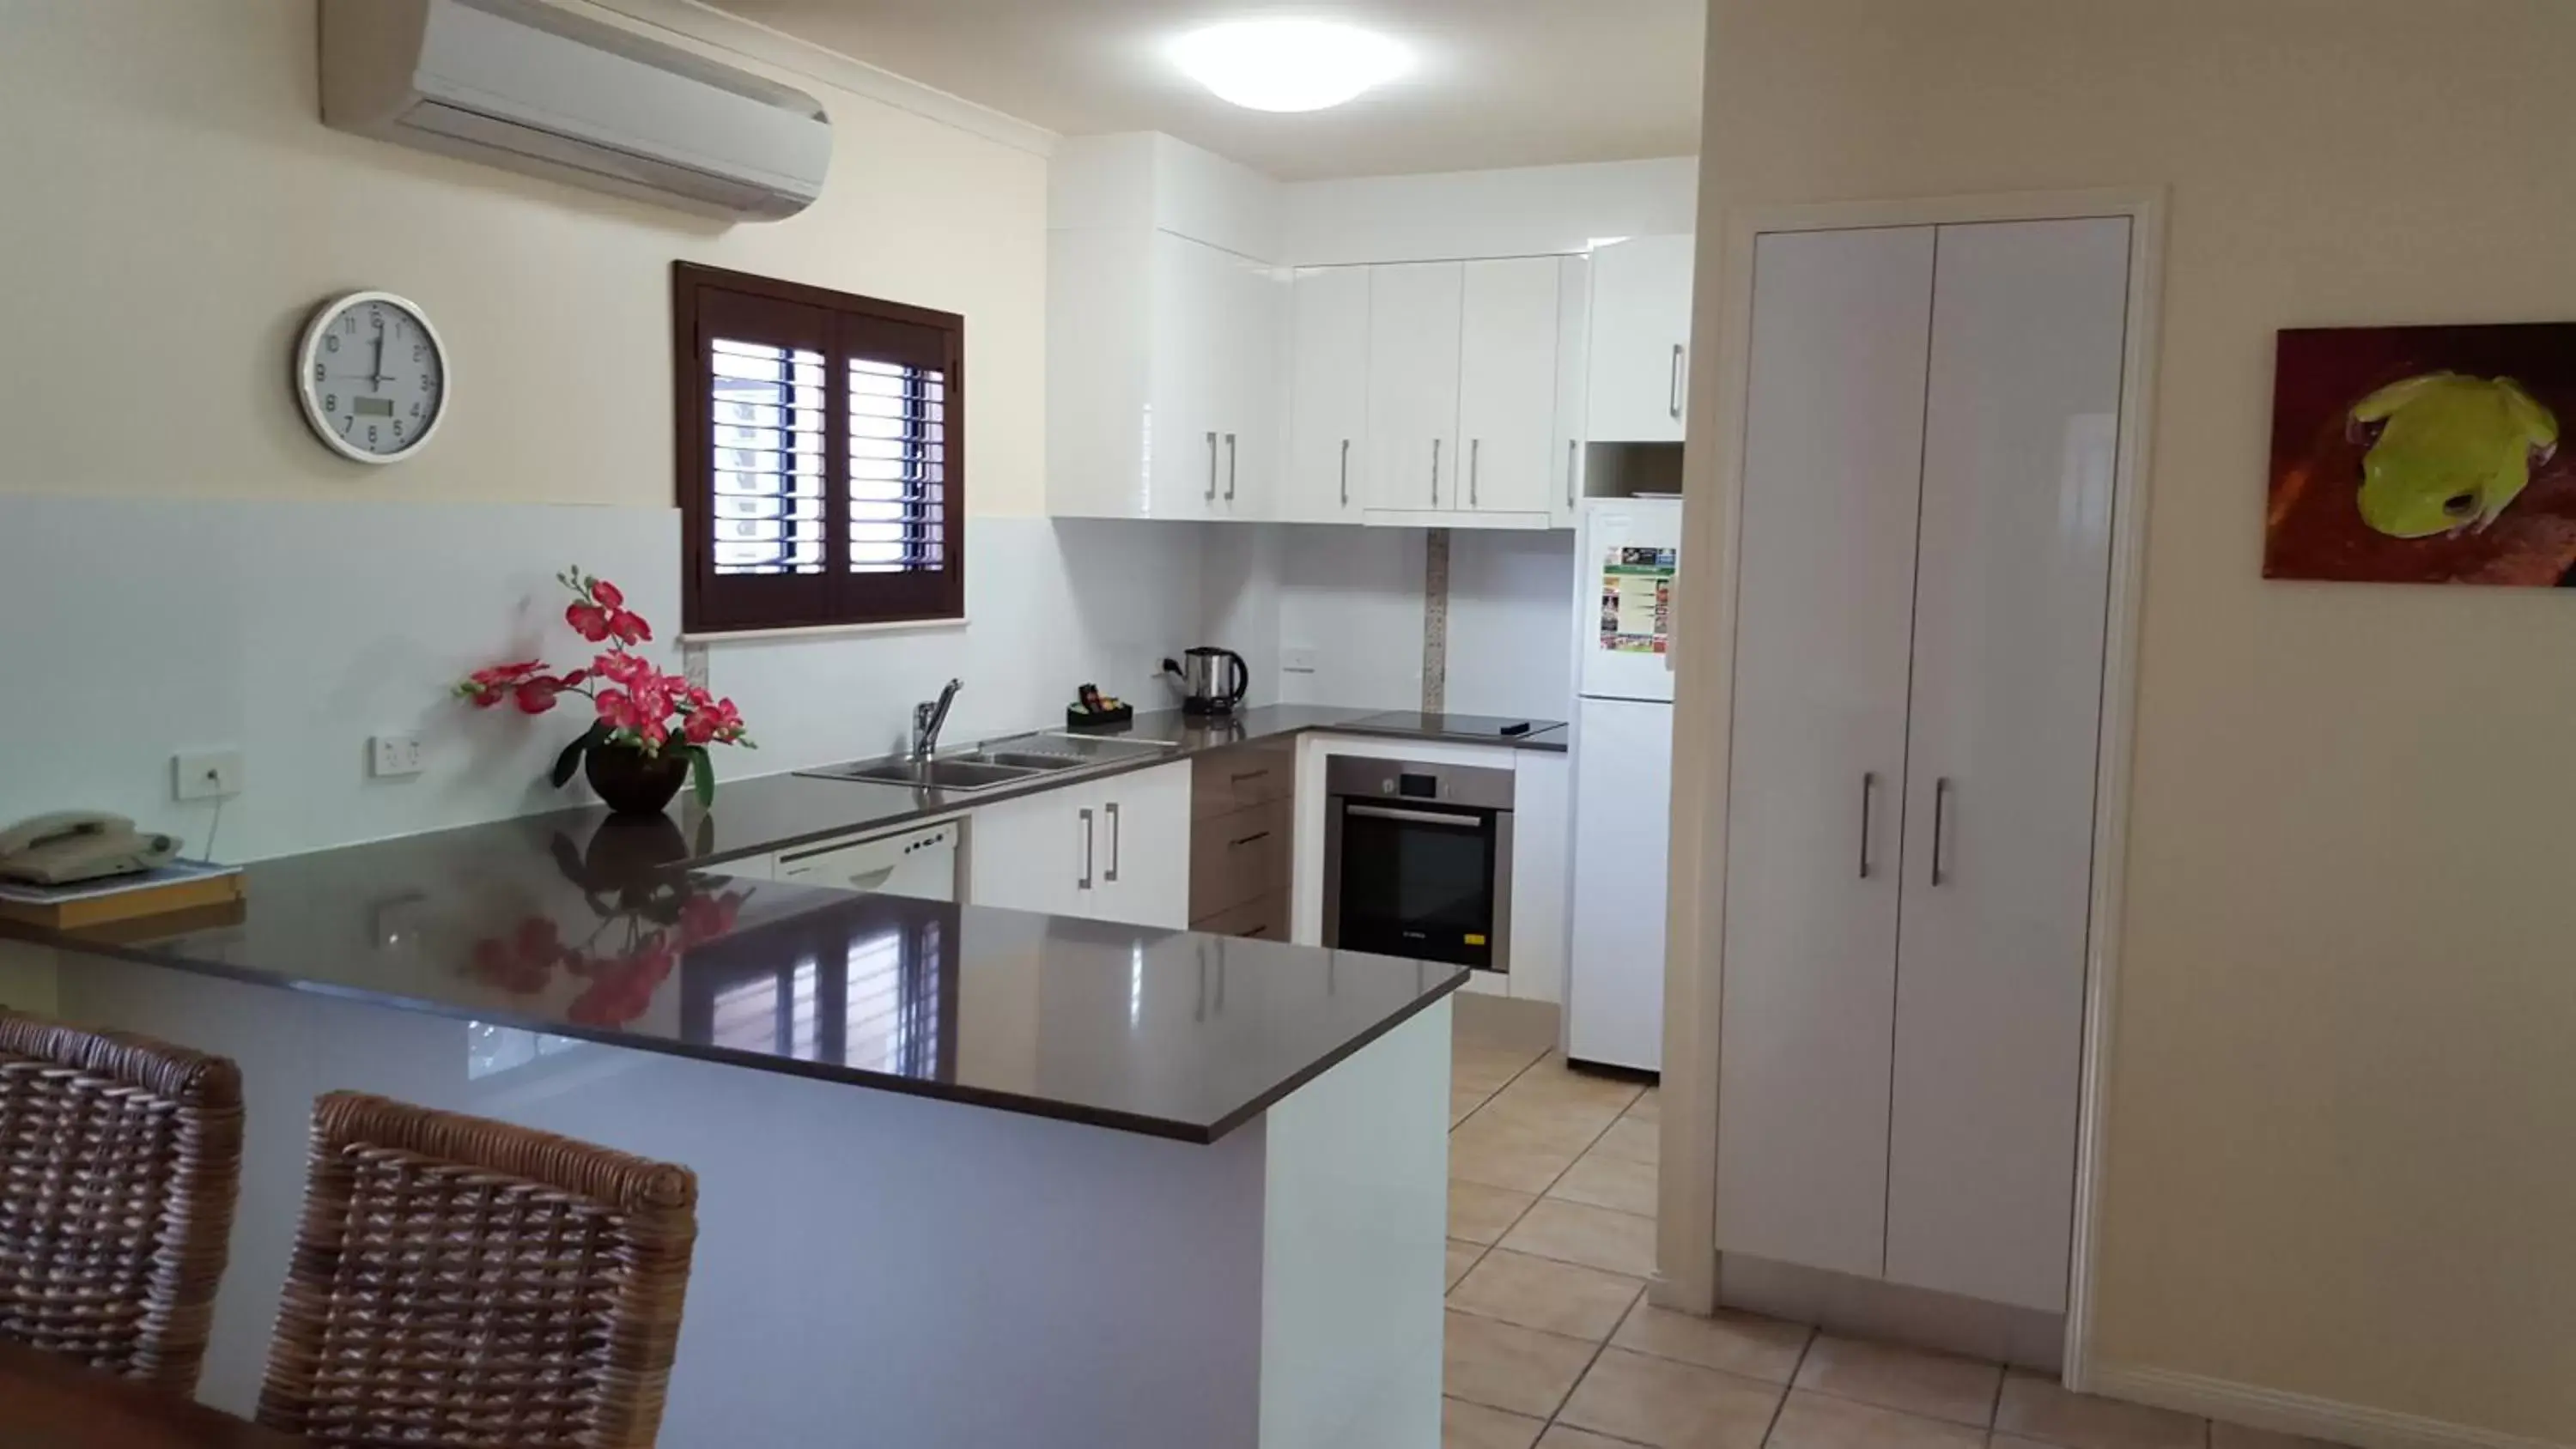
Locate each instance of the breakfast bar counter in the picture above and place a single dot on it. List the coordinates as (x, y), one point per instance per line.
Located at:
(967, 1176)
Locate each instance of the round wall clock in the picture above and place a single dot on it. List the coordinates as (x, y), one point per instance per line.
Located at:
(373, 377)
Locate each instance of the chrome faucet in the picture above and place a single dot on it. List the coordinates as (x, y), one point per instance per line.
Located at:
(929, 717)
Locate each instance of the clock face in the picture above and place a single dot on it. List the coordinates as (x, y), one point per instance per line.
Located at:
(373, 377)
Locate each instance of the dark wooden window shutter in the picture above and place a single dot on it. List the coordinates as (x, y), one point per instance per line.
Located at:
(821, 448)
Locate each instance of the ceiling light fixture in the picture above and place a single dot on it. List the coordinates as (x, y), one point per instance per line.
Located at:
(1289, 65)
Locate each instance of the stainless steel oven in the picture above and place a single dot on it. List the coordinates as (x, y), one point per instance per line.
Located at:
(1418, 861)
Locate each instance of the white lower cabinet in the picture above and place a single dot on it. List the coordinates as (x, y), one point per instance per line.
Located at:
(1932, 420)
(1113, 850)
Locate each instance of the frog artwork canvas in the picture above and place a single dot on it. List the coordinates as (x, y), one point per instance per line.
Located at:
(2424, 455)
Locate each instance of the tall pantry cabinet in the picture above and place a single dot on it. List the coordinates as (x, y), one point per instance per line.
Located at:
(1933, 418)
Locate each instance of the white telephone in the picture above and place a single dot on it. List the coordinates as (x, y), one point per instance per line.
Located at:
(80, 845)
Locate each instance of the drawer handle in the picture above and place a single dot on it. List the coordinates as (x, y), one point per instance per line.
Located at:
(1247, 840)
(1249, 775)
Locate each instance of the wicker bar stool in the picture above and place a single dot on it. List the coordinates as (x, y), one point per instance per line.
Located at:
(119, 1160)
(472, 1285)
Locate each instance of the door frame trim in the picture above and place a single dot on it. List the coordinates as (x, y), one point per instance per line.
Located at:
(1713, 489)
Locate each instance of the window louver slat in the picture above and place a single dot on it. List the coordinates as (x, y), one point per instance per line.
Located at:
(770, 462)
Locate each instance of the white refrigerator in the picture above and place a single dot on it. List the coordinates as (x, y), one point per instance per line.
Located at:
(1623, 780)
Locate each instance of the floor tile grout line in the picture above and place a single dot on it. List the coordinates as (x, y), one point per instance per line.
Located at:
(1589, 1364)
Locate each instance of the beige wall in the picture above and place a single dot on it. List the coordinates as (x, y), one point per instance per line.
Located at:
(175, 210)
(2342, 1127)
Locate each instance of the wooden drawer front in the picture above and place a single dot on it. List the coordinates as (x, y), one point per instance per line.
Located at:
(1263, 920)
(1238, 858)
(1233, 780)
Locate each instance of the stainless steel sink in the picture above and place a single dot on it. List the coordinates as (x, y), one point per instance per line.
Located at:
(1025, 760)
(994, 763)
(953, 773)
(1086, 749)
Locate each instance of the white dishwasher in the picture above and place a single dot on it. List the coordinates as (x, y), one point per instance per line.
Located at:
(919, 863)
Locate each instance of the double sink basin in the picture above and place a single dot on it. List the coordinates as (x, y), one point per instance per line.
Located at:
(995, 763)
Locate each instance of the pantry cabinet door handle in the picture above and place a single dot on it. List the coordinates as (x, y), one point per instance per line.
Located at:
(1573, 450)
(1868, 804)
(1112, 877)
(1229, 467)
(1084, 882)
(1475, 472)
(1675, 401)
(1435, 472)
(1346, 472)
(1940, 830)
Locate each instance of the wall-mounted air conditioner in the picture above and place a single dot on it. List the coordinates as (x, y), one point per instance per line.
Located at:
(541, 89)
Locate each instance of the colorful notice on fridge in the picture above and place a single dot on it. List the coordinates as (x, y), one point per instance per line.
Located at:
(1637, 599)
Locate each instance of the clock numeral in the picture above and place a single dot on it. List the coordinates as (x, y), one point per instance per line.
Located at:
(398, 427)
(331, 344)
(371, 434)
(320, 372)
(415, 410)
(346, 424)
(419, 350)
(330, 402)
(349, 324)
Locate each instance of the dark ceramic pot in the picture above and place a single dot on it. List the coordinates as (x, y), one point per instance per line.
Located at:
(633, 782)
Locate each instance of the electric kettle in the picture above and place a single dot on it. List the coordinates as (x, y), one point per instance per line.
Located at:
(1213, 681)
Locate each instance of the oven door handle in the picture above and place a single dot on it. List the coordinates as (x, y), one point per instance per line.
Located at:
(1417, 817)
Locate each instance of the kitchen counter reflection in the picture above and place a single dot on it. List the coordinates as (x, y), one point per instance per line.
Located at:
(534, 926)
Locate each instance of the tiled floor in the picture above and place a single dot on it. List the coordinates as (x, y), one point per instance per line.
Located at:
(1551, 1343)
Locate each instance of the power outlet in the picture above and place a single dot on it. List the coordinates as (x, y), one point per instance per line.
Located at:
(206, 775)
(1297, 661)
(395, 756)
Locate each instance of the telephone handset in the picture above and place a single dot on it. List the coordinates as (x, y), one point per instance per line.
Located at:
(80, 845)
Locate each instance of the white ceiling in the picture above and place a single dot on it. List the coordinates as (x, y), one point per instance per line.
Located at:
(1498, 83)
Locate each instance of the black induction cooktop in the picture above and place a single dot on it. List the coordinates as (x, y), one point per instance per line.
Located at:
(1457, 726)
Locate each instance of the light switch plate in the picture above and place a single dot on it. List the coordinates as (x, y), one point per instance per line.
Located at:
(1297, 661)
(206, 774)
(693, 664)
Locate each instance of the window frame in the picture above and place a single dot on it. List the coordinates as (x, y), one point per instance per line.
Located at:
(844, 327)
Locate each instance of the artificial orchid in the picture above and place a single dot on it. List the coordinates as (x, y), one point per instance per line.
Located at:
(634, 702)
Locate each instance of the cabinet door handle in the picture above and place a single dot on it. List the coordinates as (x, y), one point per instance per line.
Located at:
(1112, 877)
(1229, 467)
(1083, 883)
(1249, 775)
(1868, 802)
(1211, 493)
(1940, 830)
(1675, 401)
(1247, 840)
(1435, 472)
(1346, 472)
(1573, 451)
(1475, 471)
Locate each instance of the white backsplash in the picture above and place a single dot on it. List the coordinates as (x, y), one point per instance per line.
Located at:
(295, 631)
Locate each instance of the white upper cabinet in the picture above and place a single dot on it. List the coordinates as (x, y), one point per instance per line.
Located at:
(1212, 430)
(1507, 385)
(1324, 474)
(1164, 329)
(1640, 352)
(1414, 318)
